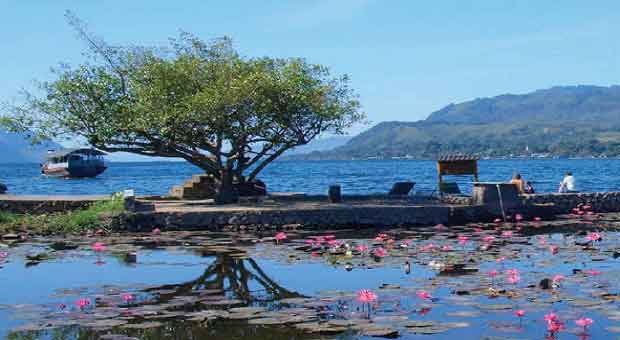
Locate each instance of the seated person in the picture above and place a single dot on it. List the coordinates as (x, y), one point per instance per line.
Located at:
(568, 183)
(529, 188)
(519, 182)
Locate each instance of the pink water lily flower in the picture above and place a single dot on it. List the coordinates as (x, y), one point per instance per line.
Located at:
(156, 231)
(99, 247)
(488, 239)
(512, 272)
(463, 239)
(554, 249)
(507, 233)
(513, 279)
(334, 243)
(446, 247)
(362, 248)
(542, 241)
(492, 273)
(428, 247)
(593, 272)
(501, 259)
(518, 217)
(3, 254)
(497, 220)
(593, 237)
(329, 237)
(555, 326)
(557, 278)
(127, 297)
(366, 296)
(380, 252)
(280, 236)
(82, 303)
(422, 294)
(584, 322)
(537, 219)
(520, 313)
(550, 317)
(440, 226)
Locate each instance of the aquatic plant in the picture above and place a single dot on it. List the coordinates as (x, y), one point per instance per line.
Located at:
(366, 297)
(281, 236)
(424, 295)
(584, 323)
(463, 240)
(593, 236)
(554, 324)
(82, 303)
(380, 252)
(99, 247)
(127, 298)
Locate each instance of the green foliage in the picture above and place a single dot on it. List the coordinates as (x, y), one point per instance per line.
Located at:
(196, 100)
(96, 216)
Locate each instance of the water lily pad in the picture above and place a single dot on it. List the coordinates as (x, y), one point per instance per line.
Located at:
(418, 324)
(143, 325)
(104, 324)
(320, 328)
(465, 314)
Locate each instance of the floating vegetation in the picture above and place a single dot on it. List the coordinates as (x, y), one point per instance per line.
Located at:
(480, 279)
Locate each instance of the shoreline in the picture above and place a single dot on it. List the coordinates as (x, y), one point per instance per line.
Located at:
(284, 211)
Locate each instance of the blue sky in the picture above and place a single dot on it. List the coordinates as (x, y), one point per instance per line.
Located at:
(406, 58)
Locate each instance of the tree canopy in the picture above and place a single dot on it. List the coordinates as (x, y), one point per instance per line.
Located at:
(193, 99)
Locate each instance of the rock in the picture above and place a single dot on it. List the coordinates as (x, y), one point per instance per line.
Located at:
(545, 284)
(10, 237)
(61, 245)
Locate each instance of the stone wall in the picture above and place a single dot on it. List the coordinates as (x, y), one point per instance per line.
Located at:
(455, 199)
(563, 203)
(327, 217)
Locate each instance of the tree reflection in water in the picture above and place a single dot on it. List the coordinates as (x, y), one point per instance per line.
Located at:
(240, 278)
(236, 276)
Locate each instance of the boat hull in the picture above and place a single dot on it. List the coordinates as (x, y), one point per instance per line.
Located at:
(74, 172)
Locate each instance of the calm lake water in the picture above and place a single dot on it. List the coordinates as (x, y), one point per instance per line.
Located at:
(315, 177)
(171, 282)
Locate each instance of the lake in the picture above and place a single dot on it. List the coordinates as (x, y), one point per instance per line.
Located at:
(427, 283)
(355, 177)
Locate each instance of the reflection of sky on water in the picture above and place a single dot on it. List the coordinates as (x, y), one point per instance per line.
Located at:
(45, 283)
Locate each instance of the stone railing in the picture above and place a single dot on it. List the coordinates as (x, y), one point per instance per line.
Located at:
(563, 203)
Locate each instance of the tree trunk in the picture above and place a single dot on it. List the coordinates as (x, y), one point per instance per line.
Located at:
(226, 191)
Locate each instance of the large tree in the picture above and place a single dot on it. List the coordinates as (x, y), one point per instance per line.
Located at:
(201, 101)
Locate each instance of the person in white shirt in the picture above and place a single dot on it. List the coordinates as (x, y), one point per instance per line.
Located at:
(568, 183)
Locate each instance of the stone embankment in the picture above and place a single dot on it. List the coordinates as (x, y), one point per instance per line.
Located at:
(314, 211)
(309, 215)
(563, 203)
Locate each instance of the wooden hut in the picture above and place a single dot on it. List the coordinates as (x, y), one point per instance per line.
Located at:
(456, 165)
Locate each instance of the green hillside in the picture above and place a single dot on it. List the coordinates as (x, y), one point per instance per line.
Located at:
(561, 121)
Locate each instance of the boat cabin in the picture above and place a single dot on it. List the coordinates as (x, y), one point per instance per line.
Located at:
(83, 162)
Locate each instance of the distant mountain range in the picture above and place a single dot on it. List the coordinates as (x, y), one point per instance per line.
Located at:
(560, 121)
(16, 148)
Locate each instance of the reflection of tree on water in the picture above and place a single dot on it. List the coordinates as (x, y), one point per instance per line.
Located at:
(237, 276)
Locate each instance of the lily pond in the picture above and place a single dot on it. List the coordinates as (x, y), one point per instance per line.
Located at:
(502, 280)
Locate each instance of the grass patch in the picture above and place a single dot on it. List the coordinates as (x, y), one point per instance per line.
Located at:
(97, 216)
